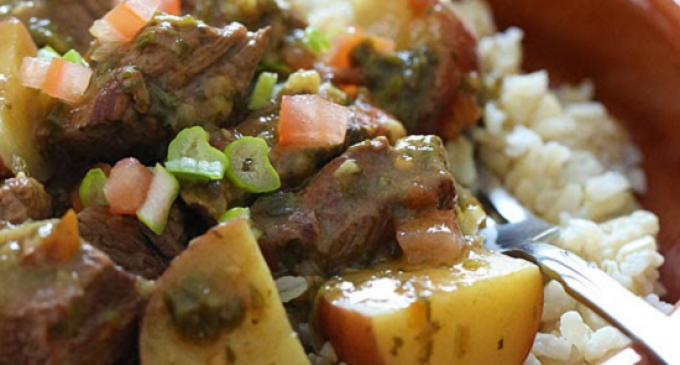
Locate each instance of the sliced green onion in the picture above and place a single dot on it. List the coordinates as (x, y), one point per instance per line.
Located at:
(48, 52)
(315, 41)
(249, 166)
(192, 159)
(332, 93)
(91, 190)
(234, 213)
(190, 169)
(239, 212)
(162, 193)
(271, 63)
(74, 57)
(262, 93)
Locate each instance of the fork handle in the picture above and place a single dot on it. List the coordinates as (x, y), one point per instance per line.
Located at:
(601, 293)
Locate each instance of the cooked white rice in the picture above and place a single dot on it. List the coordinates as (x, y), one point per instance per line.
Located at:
(565, 158)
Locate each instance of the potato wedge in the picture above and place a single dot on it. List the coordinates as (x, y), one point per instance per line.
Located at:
(20, 107)
(483, 311)
(217, 304)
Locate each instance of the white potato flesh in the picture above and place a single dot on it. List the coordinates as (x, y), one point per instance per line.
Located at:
(20, 107)
(484, 311)
(227, 263)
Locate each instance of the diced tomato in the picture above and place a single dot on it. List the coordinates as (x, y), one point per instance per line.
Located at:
(342, 48)
(434, 238)
(125, 20)
(343, 45)
(127, 186)
(52, 82)
(67, 81)
(55, 77)
(34, 72)
(172, 7)
(311, 121)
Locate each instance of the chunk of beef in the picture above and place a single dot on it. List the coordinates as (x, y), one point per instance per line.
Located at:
(178, 72)
(294, 166)
(23, 198)
(5, 171)
(73, 18)
(76, 309)
(284, 51)
(130, 243)
(344, 216)
(212, 199)
(430, 87)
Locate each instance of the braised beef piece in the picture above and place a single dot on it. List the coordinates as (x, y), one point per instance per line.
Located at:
(344, 216)
(430, 86)
(76, 309)
(401, 81)
(178, 72)
(130, 243)
(285, 52)
(23, 198)
(294, 166)
(211, 200)
(73, 18)
(5, 171)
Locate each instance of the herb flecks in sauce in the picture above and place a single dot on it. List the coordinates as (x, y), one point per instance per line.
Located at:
(200, 313)
(399, 81)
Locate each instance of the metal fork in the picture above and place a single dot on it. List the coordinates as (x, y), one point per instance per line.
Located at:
(525, 237)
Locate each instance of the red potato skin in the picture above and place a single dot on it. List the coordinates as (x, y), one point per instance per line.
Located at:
(351, 333)
(355, 343)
